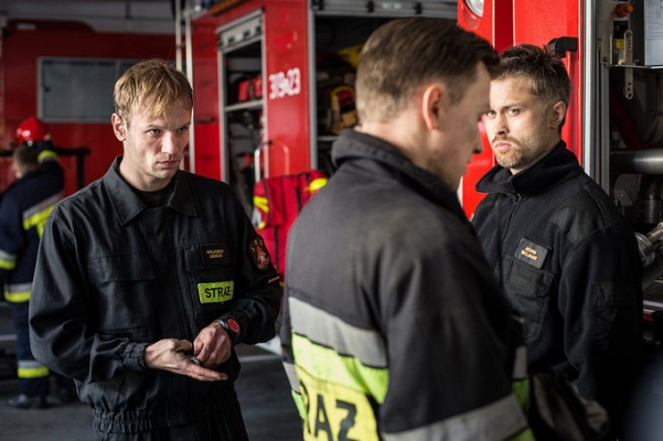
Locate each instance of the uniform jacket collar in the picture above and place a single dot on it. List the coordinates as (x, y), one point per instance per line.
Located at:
(558, 165)
(352, 145)
(127, 204)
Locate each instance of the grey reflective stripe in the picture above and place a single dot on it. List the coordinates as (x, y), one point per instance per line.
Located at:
(29, 364)
(321, 327)
(520, 363)
(27, 214)
(292, 376)
(19, 287)
(6, 256)
(499, 420)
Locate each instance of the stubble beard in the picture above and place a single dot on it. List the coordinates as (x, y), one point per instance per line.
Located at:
(519, 158)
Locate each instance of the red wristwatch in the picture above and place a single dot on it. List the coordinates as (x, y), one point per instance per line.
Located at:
(232, 328)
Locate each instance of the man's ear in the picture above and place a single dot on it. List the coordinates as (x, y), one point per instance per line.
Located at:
(432, 105)
(119, 127)
(556, 114)
(15, 170)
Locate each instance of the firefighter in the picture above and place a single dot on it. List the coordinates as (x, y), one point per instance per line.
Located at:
(147, 278)
(24, 207)
(565, 256)
(394, 327)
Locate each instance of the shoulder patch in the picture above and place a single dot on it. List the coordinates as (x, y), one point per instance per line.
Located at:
(259, 253)
(531, 253)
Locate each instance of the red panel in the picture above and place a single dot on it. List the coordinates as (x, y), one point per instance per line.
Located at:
(288, 127)
(20, 51)
(287, 116)
(496, 26)
(206, 97)
(540, 22)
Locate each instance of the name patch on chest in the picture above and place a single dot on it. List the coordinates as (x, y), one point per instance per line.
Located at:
(216, 292)
(531, 253)
(214, 253)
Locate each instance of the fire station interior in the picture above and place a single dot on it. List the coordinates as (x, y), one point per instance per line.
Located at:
(624, 153)
(337, 42)
(631, 130)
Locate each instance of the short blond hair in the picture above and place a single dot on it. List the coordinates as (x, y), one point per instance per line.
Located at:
(152, 85)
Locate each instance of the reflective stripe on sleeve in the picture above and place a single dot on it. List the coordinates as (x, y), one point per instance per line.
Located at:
(18, 293)
(292, 376)
(520, 380)
(520, 364)
(36, 215)
(31, 369)
(48, 155)
(366, 345)
(7, 261)
(502, 419)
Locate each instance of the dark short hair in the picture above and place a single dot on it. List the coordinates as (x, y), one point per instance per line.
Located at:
(550, 80)
(25, 158)
(402, 55)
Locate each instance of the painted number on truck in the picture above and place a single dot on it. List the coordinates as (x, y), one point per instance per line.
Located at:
(282, 84)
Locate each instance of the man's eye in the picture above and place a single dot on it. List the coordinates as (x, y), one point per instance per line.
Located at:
(490, 114)
(154, 132)
(513, 111)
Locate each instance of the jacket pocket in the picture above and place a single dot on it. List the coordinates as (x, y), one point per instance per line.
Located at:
(122, 294)
(528, 289)
(617, 317)
(210, 279)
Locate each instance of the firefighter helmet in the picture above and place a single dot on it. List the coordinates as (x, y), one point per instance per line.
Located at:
(32, 130)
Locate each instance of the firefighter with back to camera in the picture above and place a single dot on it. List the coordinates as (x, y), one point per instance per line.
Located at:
(147, 277)
(24, 207)
(394, 328)
(565, 256)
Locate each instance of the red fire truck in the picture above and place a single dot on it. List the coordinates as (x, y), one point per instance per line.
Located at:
(269, 77)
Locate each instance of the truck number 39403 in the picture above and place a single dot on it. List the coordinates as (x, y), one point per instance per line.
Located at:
(282, 84)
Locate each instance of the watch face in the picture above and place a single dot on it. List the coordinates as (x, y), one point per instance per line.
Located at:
(233, 325)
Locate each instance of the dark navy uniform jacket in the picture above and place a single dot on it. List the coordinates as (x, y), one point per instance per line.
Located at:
(570, 264)
(114, 275)
(24, 207)
(395, 328)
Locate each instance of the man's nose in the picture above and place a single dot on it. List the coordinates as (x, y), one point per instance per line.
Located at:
(500, 126)
(170, 144)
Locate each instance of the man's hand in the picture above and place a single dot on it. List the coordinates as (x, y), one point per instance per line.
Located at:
(167, 355)
(212, 346)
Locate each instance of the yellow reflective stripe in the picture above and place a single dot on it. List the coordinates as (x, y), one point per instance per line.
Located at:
(7, 264)
(17, 297)
(367, 345)
(299, 403)
(48, 155)
(38, 220)
(525, 435)
(33, 372)
(326, 364)
(261, 203)
(36, 215)
(317, 184)
(521, 391)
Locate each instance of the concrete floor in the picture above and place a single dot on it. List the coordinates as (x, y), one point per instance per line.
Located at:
(269, 412)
